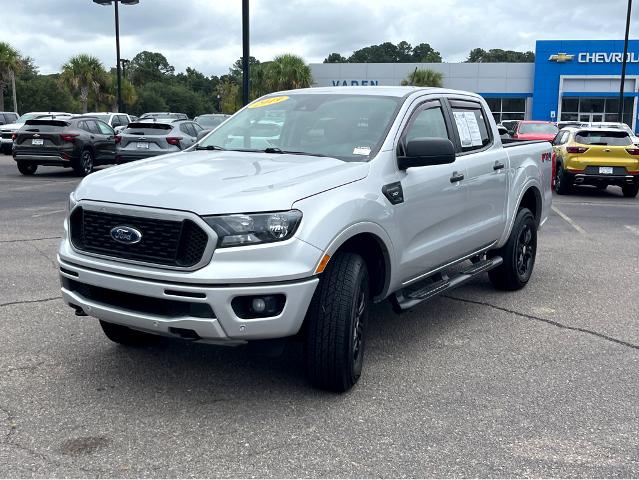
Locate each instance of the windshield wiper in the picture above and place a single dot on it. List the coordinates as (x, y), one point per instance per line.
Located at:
(208, 147)
(290, 152)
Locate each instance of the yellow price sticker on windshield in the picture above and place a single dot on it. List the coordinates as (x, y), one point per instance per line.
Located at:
(268, 101)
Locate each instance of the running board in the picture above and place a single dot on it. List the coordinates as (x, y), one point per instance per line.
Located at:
(406, 298)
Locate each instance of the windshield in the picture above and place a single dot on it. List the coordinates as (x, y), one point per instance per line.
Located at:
(344, 126)
(210, 121)
(175, 116)
(104, 118)
(540, 128)
(28, 116)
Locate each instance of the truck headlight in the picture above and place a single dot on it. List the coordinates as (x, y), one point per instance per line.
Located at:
(72, 201)
(254, 228)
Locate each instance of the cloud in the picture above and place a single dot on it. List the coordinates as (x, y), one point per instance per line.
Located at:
(206, 34)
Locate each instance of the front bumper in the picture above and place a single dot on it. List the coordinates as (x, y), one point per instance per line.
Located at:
(223, 326)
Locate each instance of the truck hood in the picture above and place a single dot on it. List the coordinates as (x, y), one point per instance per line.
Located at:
(219, 182)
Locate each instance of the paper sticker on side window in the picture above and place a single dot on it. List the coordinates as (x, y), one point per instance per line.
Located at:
(462, 128)
(473, 126)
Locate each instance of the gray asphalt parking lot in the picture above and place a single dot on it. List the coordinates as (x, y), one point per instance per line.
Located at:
(537, 383)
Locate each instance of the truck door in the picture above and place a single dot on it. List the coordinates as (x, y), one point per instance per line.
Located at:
(486, 166)
(430, 220)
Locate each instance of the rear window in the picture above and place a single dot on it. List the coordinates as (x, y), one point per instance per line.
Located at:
(618, 139)
(147, 129)
(45, 125)
(541, 128)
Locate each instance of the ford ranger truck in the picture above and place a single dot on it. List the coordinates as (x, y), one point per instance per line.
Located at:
(300, 211)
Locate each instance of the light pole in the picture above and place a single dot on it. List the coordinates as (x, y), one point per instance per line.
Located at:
(245, 52)
(117, 40)
(625, 60)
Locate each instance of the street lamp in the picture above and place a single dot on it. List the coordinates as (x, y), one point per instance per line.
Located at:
(245, 52)
(625, 60)
(117, 39)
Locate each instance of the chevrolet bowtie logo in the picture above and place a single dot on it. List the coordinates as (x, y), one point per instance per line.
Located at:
(561, 58)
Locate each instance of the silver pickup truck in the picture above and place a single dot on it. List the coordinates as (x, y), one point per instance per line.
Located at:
(297, 213)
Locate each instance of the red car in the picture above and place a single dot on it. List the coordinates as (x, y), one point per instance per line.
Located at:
(532, 130)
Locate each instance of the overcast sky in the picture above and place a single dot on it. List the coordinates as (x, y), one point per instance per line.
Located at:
(206, 34)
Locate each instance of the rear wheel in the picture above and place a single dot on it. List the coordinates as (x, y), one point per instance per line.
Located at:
(127, 336)
(563, 181)
(336, 324)
(519, 254)
(84, 165)
(26, 168)
(630, 190)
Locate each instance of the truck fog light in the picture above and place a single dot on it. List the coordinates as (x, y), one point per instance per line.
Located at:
(258, 306)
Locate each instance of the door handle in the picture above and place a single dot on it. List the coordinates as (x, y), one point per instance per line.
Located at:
(457, 177)
(498, 165)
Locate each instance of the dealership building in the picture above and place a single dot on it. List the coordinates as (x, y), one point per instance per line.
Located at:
(570, 80)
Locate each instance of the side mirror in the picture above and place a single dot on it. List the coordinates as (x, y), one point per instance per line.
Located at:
(202, 134)
(427, 151)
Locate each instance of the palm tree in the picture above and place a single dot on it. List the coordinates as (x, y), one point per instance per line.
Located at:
(10, 64)
(287, 72)
(84, 73)
(424, 77)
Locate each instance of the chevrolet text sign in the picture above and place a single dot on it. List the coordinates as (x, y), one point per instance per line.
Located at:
(608, 57)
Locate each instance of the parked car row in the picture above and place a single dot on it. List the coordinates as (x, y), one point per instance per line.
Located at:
(83, 142)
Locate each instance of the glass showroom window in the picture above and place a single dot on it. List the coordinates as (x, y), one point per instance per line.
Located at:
(587, 109)
(507, 108)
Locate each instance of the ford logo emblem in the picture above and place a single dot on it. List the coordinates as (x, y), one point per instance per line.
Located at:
(126, 235)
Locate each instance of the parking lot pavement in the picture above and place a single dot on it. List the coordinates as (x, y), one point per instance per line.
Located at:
(540, 382)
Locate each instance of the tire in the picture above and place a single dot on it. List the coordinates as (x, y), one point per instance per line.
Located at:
(519, 254)
(83, 165)
(630, 191)
(563, 181)
(26, 168)
(336, 324)
(127, 336)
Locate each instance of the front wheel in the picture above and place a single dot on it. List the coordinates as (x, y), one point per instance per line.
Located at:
(27, 168)
(519, 254)
(630, 191)
(336, 324)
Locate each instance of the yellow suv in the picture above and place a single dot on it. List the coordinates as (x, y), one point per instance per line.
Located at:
(596, 156)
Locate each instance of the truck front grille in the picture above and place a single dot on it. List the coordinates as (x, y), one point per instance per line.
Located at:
(164, 242)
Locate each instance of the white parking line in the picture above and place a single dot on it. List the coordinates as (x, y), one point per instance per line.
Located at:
(35, 215)
(634, 230)
(568, 220)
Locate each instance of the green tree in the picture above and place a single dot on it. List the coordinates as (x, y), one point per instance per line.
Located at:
(426, 54)
(230, 97)
(148, 67)
(149, 100)
(286, 72)
(10, 65)
(236, 69)
(44, 93)
(110, 96)
(84, 74)
(424, 77)
(403, 52)
(494, 55)
(335, 58)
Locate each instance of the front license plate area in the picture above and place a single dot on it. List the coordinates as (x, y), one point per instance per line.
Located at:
(37, 141)
(605, 170)
(143, 145)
